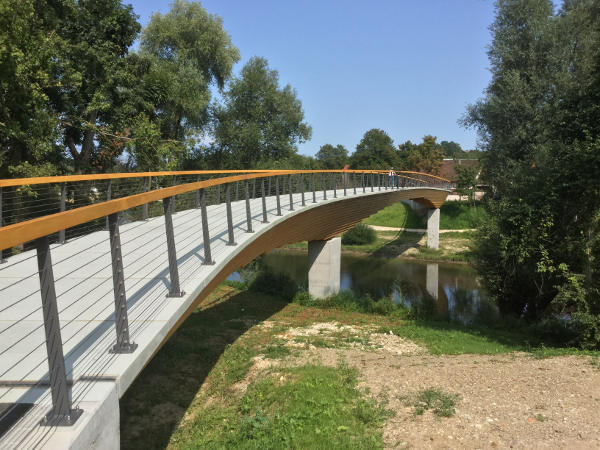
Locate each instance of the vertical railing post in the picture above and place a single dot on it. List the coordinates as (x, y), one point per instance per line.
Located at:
(362, 182)
(145, 205)
(248, 213)
(173, 198)
(108, 197)
(314, 189)
(277, 195)
(334, 182)
(253, 187)
(208, 261)
(62, 413)
(345, 180)
(197, 201)
(2, 260)
(324, 186)
(174, 289)
(229, 215)
(301, 181)
(372, 182)
(379, 180)
(264, 201)
(123, 344)
(291, 192)
(354, 181)
(63, 207)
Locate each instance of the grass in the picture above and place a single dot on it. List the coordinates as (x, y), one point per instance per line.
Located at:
(454, 246)
(398, 215)
(461, 216)
(197, 392)
(453, 216)
(439, 402)
(314, 407)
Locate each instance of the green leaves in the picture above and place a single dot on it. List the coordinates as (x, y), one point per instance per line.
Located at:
(259, 121)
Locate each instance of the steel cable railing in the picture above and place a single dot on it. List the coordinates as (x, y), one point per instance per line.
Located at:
(249, 198)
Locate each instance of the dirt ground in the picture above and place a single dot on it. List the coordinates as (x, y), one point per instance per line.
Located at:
(505, 401)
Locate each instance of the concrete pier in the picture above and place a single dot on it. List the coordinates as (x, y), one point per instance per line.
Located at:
(433, 228)
(324, 267)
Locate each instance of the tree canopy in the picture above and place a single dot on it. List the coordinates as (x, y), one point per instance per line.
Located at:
(332, 157)
(539, 123)
(374, 151)
(259, 121)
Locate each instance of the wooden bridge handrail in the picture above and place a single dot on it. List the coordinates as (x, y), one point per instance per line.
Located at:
(29, 230)
(8, 182)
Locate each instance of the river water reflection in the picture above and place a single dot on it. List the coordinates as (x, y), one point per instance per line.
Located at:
(445, 290)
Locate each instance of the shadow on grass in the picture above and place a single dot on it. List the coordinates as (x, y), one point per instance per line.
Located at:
(402, 242)
(156, 402)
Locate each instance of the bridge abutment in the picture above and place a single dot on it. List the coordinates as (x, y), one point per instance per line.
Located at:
(433, 228)
(324, 267)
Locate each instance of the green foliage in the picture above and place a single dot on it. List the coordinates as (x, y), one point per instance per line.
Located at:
(540, 128)
(332, 157)
(350, 301)
(398, 215)
(466, 181)
(259, 121)
(374, 151)
(360, 234)
(276, 284)
(452, 150)
(424, 157)
(315, 407)
(461, 216)
(441, 403)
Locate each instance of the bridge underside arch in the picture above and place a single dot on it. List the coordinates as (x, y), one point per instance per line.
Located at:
(317, 223)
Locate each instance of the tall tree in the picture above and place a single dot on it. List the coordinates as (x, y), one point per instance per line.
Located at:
(30, 64)
(375, 151)
(332, 157)
(452, 149)
(259, 121)
(539, 123)
(98, 33)
(189, 51)
(424, 157)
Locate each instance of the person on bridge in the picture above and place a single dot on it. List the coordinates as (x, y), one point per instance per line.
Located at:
(391, 177)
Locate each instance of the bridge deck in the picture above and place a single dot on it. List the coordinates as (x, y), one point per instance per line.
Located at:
(84, 289)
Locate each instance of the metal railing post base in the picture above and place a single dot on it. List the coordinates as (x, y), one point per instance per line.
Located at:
(124, 348)
(61, 420)
(175, 294)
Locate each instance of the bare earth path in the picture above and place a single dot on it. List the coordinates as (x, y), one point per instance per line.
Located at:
(506, 401)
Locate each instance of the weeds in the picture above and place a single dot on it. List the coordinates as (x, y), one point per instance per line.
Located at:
(439, 402)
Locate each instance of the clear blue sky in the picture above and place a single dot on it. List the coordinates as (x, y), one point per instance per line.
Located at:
(407, 67)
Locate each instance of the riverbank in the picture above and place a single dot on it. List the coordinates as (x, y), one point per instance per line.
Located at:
(254, 371)
(455, 246)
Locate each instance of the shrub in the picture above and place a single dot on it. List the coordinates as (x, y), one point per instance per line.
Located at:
(361, 234)
(350, 301)
(274, 283)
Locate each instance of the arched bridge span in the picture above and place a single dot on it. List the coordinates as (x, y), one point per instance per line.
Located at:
(89, 293)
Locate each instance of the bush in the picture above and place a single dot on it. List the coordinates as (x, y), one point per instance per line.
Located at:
(361, 234)
(274, 283)
(350, 301)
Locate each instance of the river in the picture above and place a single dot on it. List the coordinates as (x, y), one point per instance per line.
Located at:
(443, 290)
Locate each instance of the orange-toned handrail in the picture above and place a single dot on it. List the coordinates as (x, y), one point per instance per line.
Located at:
(22, 232)
(8, 182)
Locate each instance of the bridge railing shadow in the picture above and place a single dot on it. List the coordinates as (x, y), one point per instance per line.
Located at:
(156, 402)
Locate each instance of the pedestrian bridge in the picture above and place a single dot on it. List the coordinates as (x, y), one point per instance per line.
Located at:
(99, 270)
